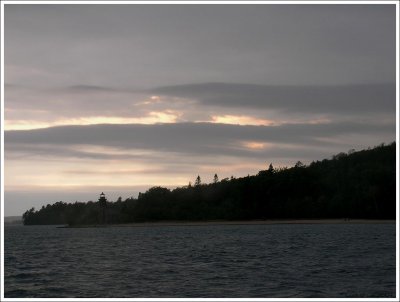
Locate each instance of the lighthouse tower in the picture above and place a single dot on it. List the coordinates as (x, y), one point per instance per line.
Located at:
(103, 206)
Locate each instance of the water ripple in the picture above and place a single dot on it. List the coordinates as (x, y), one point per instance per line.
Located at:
(205, 261)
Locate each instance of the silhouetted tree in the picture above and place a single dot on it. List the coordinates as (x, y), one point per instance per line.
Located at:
(197, 181)
(299, 164)
(215, 178)
(357, 185)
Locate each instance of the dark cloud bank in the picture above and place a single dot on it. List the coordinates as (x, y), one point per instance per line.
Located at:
(154, 45)
(360, 98)
(189, 138)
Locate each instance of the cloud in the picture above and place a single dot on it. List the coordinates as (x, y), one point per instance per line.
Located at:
(89, 89)
(295, 67)
(187, 138)
(152, 45)
(28, 108)
(32, 107)
(348, 99)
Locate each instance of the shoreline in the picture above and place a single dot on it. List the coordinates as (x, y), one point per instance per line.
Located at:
(238, 222)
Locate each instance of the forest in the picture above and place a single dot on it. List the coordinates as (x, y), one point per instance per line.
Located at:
(353, 185)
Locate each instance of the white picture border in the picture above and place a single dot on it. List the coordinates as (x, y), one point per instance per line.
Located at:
(6, 2)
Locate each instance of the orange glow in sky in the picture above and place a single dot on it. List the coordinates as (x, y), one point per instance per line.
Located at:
(153, 117)
(241, 120)
(255, 145)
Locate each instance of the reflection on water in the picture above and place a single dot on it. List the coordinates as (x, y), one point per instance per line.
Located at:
(317, 260)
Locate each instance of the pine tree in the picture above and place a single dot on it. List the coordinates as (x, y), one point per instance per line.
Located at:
(216, 178)
(198, 181)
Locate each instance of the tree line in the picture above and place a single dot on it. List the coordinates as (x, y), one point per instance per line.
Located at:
(349, 185)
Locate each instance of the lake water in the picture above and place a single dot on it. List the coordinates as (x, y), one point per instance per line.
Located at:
(312, 260)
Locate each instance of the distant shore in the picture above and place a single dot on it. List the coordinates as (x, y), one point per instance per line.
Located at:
(239, 222)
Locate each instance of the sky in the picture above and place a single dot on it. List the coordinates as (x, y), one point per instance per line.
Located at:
(120, 98)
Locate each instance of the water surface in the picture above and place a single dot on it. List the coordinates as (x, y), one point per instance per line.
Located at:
(311, 260)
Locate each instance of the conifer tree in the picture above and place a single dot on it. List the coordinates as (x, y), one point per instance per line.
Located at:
(198, 181)
(216, 178)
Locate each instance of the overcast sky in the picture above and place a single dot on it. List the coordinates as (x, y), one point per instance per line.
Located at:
(119, 98)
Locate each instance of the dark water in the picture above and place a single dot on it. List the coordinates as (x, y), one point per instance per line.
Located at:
(351, 260)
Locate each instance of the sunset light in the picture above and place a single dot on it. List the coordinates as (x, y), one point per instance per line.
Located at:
(255, 145)
(241, 120)
(153, 117)
(180, 150)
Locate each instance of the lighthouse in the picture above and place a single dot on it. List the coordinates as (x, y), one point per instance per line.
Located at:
(103, 206)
